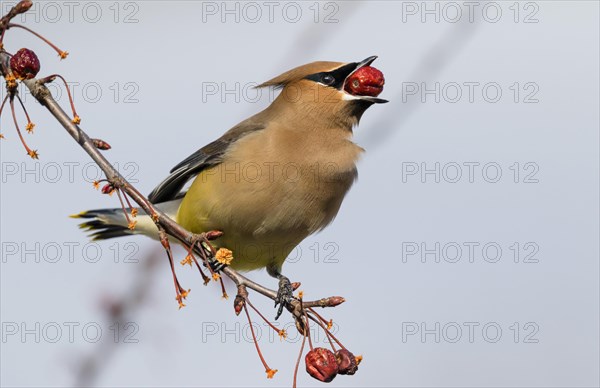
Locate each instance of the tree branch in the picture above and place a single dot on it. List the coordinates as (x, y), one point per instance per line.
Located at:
(25, 67)
(42, 94)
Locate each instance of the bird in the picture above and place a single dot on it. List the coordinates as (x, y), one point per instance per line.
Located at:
(273, 179)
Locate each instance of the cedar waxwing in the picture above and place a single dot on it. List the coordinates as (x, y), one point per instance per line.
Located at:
(273, 179)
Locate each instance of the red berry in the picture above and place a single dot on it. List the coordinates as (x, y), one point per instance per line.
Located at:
(25, 64)
(347, 364)
(321, 364)
(366, 81)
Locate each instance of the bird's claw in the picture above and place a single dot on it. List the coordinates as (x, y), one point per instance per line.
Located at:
(284, 295)
(215, 265)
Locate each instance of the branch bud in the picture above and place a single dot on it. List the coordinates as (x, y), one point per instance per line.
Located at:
(108, 189)
(332, 301)
(240, 299)
(213, 235)
(23, 6)
(101, 144)
(238, 304)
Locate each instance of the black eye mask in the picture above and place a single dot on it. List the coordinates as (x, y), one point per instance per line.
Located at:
(335, 78)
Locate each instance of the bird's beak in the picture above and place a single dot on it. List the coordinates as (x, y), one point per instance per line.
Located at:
(366, 62)
(360, 65)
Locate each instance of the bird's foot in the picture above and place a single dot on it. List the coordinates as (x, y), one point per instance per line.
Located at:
(285, 294)
(215, 265)
(203, 241)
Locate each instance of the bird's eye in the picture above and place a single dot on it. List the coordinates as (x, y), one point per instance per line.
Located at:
(328, 79)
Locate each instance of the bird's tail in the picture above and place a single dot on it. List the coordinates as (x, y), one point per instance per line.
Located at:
(109, 223)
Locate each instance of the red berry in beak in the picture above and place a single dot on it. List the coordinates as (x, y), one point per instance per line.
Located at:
(25, 64)
(321, 364)
(366, 81)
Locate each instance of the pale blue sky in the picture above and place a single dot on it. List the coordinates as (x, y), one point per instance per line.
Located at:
(143, 86)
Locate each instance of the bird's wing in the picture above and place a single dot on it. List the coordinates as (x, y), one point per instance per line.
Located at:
(207, 156)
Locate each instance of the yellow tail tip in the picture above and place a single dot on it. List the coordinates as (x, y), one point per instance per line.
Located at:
(78, 215)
